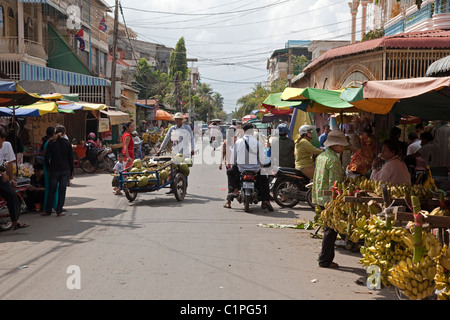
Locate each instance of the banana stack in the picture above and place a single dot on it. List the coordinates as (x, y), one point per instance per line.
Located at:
(442, 278)
(440, 212)
(414, 279)
(383, 247)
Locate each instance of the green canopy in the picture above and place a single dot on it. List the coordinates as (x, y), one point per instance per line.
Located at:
(274, 100)
(318, 100)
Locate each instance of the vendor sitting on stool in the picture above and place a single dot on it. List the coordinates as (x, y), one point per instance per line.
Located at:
(36, 189)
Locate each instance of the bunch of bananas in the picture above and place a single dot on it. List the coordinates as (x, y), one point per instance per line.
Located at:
(414, 279)
(404, 190)
(439, 211)
(337, 215)
(383, 247)
(442, 278)
(154, 137)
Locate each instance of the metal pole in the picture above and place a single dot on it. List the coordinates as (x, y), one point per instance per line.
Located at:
(90, 39)
(114, 57)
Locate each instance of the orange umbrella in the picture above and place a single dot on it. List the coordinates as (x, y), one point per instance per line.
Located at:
(163, 115)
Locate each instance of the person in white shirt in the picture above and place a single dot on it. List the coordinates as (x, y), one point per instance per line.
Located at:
(248, 154)
(182, 137)
(414, 144)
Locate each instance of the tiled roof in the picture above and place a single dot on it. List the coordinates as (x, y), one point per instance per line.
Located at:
(421, 39)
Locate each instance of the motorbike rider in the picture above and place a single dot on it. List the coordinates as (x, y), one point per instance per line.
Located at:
(248, 154)
(304, 151)
(95, 148)
(285, 147)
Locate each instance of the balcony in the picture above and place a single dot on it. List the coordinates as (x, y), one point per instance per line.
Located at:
(441, 17)
(420, 20)
(10, 45)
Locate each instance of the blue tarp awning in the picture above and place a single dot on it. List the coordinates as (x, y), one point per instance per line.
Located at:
(37, 73)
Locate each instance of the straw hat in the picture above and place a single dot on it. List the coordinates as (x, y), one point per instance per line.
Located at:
(178, 115)
(336, 137)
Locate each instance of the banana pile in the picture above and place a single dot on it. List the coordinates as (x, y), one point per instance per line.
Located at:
(439, 211)
(383, 247)
(395, 191)
(442, 278)
(414, 279)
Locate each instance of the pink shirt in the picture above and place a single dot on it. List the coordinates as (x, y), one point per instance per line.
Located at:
(394, 171)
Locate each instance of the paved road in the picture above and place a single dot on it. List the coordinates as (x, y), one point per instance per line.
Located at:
(158, 248)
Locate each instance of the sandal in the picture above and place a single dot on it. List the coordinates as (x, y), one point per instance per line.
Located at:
(227, 205)
(20, 226)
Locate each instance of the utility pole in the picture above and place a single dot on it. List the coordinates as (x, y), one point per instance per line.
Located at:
(289, 73)
(114, 56)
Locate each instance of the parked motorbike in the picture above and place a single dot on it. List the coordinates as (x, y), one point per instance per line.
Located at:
(97, 158)
(291, 187)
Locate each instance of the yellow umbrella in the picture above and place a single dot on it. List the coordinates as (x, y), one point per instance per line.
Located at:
(43, 107)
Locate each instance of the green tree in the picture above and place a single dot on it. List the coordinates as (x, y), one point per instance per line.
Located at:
(298, 64)
(151, 84)
(178, 69)
(254, 100)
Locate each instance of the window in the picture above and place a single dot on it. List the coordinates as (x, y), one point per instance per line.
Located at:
(2, 22)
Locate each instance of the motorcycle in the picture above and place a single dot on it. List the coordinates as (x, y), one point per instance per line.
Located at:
(98, 158)
(248, 193)
(291, 187)
(5, 220)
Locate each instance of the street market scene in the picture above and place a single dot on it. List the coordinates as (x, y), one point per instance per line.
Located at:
(132, 171)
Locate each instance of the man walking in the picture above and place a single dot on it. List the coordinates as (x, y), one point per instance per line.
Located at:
(59, 163)
(182, 137)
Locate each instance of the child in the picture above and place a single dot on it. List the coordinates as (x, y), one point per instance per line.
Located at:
(36, 189)
(119, 167)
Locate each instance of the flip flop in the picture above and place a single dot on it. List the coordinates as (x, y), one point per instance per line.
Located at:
(20, 226)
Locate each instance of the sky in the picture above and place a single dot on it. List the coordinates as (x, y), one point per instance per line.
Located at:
(233, 40)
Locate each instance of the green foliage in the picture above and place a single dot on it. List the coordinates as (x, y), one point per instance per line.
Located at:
(253, 101)
(373, 34)
(178, 69)
(298, 64)
(151, 84)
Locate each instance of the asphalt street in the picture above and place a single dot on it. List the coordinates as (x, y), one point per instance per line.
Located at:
(106, 247)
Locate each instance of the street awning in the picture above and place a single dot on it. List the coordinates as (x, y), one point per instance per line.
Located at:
(33, 110)
(427, 97)
(318, 100)
(275, 105)
(438, 67)
(144, 106)
(12, 94)
(116, 117)
(37, 73)
(86, 106)
(51, 3)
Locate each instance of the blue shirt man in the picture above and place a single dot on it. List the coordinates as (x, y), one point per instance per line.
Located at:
(323, 137)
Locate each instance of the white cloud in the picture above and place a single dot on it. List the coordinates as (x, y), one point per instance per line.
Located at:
(246, 38)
